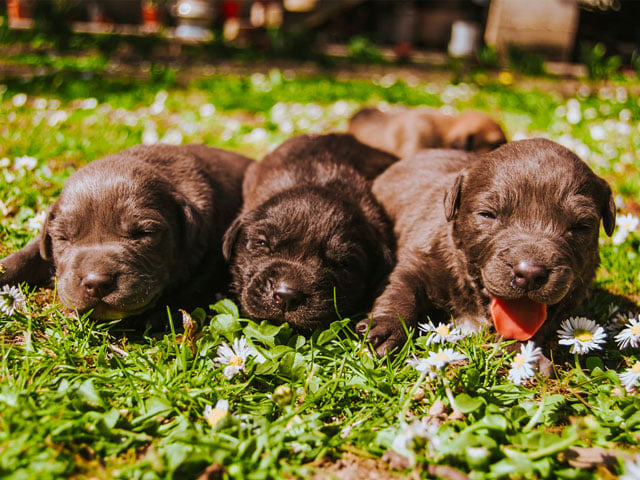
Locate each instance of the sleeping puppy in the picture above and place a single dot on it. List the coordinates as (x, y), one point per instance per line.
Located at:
(510, 235)
(405, 131)
(310, 229)
(137, 229)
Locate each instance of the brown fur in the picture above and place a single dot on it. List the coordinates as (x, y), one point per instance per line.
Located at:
(310, 225)
(405, 131)
(137, 229)
(463, 221)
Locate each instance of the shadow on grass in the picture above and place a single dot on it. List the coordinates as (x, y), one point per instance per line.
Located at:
(597, 305)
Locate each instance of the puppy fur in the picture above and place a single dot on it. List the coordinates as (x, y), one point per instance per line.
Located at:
(405, 131)
(464, 223)
(310, 226)
(137, 229)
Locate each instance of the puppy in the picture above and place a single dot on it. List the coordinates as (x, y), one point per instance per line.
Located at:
(137, 229)
(406, 131)
(311, 237)
(511, 235)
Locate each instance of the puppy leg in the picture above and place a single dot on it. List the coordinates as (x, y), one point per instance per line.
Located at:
(403, 300)
(26, 265)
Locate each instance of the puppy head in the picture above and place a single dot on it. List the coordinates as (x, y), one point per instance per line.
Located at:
(527, 217)
(113, 237)
(292, 253)
(474, 132)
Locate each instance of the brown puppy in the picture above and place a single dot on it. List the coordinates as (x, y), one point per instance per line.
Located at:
(511, 235)
(310, 229)
(136, 229)
(406, 131)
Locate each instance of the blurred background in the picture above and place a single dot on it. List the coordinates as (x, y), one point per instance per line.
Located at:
(589, 32)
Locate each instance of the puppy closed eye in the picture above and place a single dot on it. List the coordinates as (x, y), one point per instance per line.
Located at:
(142, 231)
(259, 243)
(487, 214)
(581, 227)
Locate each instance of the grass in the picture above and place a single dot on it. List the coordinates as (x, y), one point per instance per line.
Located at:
(82, 400)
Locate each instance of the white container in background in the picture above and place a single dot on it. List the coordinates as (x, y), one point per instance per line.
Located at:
(464, 38)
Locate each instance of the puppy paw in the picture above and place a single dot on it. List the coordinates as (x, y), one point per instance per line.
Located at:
(384, 333)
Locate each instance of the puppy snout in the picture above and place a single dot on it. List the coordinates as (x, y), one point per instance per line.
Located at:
(98, 285)
(529, 275)
(287, 296)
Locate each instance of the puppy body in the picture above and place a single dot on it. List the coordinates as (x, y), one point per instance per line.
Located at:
(513, 230)
(135, 229)
(405, 131)
(309, 225)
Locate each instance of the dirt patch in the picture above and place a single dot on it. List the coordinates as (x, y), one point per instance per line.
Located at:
(353, 467)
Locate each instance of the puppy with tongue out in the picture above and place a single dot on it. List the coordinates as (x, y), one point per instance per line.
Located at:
(509, 237)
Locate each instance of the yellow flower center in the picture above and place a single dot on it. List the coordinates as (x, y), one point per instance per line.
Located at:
(236, 361)
(583, 335)
(443, 330)
(636, 329)
(519, 361)
(636, 368)
(215, 416)
(442, 357)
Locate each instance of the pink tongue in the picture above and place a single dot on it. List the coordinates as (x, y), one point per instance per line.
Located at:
(518, 319)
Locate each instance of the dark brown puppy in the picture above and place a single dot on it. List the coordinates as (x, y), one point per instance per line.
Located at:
(137, 229)
(511, 235)
(310, 226)
(405, 131)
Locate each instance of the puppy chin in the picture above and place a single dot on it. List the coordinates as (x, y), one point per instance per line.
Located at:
(106, 309)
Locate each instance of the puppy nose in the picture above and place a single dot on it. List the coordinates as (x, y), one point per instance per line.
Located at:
(287, 296)
(529, 275)
(97, 284)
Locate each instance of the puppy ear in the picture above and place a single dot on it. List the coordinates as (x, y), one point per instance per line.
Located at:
(607, 208)
(452, 198)
(384, 248)
(44, 241)
(230, 237)
(190, 221)
(27, 265)
(460, 141)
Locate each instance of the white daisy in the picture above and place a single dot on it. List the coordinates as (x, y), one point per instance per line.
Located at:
(423, 365)
(631, 377)
(235, 356)
(629, 336)
(444, 357)
(217, 413)
(414, 435)
(522, 364)
(19, 99)
(435, 361)
(440, 334)
(619, 237)
(627, 222)
(26, 162)
(36, 222)
(631, 469)
(11, 299)
(172, 136)
(581, 334)
(207, 110)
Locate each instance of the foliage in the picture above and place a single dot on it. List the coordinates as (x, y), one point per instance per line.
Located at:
(362, 50)
(525, 62)
(80, 399)
(598, 64)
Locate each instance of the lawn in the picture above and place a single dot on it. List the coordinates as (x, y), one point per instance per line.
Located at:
(79, 400)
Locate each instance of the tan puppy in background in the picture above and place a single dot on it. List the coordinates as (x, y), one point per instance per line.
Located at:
(405, 131)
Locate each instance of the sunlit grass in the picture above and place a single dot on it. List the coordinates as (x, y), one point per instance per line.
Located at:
(82, 400)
